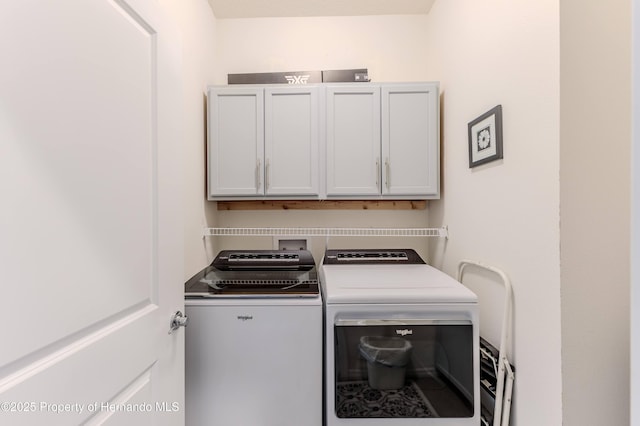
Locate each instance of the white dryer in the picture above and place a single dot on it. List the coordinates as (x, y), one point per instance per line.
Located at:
(401, 342)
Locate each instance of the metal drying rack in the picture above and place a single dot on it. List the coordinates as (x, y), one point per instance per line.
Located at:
(505, 376)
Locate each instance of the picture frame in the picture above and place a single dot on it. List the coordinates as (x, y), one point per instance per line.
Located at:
(485, 137)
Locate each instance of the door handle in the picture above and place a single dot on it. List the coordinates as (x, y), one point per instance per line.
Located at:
(178, 320)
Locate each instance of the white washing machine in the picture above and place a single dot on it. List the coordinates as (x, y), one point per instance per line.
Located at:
(401, 342)
(253, 351)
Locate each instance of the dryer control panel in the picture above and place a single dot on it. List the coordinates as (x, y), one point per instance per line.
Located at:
(372, 256)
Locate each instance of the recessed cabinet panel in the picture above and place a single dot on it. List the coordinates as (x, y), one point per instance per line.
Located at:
(236, 141)
(410, 140)
(353, 140)
(291, 141)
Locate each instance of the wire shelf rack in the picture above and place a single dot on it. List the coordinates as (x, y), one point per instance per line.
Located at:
(329, 232)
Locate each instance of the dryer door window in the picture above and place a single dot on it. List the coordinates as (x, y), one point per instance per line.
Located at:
(403, 368)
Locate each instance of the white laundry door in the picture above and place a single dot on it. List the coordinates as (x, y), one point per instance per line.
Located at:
(90, 231)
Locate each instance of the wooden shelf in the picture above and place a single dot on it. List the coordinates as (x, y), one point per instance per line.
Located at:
(323, 205)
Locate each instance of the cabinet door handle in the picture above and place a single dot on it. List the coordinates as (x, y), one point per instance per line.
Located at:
(388, 173)
(267, 172)
(258, 176)
(377, 170)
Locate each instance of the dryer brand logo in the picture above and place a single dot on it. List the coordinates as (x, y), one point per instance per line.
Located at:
(245, 317)
(297, 79)
(404, 332)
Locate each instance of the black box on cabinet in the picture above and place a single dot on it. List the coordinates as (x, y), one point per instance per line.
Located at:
(291, 77)
(345, 76)
(301, 77)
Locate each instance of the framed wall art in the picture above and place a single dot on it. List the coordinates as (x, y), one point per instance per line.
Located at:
(485, 137)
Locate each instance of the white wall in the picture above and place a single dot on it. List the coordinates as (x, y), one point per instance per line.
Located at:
(390, 47)
(594, 201)
(505, 213)
(196, 24)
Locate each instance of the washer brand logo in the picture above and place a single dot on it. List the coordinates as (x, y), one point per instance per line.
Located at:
(245, 317)
(404, 332)
(297, 79)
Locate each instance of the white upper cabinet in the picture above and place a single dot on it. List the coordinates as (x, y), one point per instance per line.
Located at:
(410, 140)
(382, 140)
(353, 139)
(236, 142)
(291, 140)
(338, 141)
(263, 142)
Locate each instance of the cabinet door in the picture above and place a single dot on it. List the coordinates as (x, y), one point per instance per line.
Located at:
(236, 141)
(291, 140)
(410, 140)
(353, 139)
